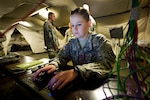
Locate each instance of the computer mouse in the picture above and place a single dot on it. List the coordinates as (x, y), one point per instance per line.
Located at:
(17, 70)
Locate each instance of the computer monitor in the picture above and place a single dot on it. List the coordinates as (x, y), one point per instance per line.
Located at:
(116, 32)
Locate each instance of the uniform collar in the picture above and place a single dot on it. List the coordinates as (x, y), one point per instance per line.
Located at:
(88, 45)
(51, 23)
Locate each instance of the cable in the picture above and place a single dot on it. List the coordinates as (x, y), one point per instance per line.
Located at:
(135, 84)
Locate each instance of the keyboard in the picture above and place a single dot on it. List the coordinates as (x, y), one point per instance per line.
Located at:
(42, 80)
(40, 84)
(43, 92)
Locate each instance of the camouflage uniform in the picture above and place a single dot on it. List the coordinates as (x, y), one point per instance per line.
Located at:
(95, 59)
(50, 39)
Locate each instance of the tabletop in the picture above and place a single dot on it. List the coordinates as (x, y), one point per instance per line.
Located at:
(98, 90)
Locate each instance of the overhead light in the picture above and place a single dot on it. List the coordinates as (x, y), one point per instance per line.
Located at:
(43, 13)
(25, 23)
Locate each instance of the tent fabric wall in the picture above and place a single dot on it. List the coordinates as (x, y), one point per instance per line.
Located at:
(106, 23)
(8, 37)
(144, 30)
(35, 39)
(147, 32)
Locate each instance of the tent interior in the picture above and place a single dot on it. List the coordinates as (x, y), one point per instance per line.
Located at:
(108, 14)
(21, 28)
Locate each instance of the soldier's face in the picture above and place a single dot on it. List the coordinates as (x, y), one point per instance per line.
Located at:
(79, 26)
(52, 17)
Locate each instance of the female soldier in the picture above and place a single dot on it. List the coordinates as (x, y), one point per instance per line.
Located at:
(91, 54)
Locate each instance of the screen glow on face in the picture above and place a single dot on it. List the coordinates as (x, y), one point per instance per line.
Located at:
(79, 26)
